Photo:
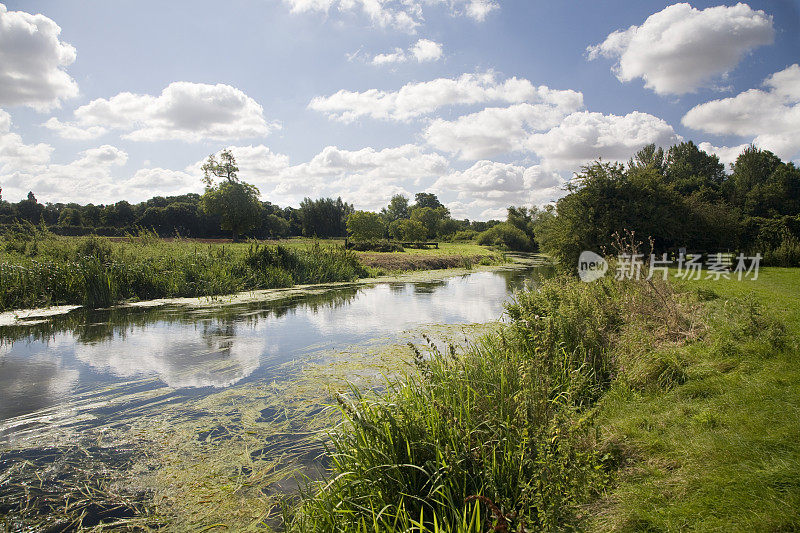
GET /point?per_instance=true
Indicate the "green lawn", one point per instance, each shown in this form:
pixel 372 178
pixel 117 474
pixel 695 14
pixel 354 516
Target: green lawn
pixel 721 452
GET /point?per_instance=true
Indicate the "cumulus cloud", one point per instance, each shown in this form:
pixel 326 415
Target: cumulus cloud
pixel 426 50
pixel 726 154
pixel 14 153
pixel 680 48
pixel 770 115
pixel 417 99
pixel 422 51
pixel 404 15
pixel 490 187
pixel 183 111
pixel 497 130
pixel 32 61
pixel 584 136
pixel 72 131
pixel 87 178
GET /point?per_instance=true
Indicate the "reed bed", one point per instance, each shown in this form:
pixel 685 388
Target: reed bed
pixel 39 269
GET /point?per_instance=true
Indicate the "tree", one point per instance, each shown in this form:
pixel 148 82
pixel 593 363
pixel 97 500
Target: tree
pixel 365 226
pixel 325 217
pixel 408 230
pixel 235 202
pixel 397 208
pixel 429 218
pixel 69 217
pixel 523 219
pixel 427 199
pixel 29 209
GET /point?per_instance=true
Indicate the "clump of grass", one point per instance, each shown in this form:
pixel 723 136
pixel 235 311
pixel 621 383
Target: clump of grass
pixel 497 437
pixel 38 268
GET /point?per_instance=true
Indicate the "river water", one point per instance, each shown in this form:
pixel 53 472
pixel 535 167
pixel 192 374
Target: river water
pixel 150 389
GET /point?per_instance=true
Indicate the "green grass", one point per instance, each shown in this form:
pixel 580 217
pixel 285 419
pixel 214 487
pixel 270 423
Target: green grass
pixel 38 268
pixel 609 406
pixel 721 452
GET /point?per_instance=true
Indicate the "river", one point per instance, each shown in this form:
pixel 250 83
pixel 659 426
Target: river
pixel 164 408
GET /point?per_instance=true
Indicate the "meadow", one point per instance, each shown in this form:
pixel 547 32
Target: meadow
pixel 39 269
pixel 612 406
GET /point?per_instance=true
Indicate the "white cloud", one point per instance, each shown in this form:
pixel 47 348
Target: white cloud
pixel 165 181
pixel 680 48
pixel 366 177
pixel 416 99
pixel 398 56
pixel 72 131
pixel 584 136
pixel 183 111
pixel 726 154
pixel 771 115
pixel 32 61
pixel 490 187
pixel 479 9
pixel 404 15
pixel 87 178
pixel 427 50
pixel 496 130
pixel 424 50
pixel 14 153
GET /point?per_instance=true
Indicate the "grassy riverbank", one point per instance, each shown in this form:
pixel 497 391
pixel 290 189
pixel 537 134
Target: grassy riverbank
pixel 607 406
pixel 40 269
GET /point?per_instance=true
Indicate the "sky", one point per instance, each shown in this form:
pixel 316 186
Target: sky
pixel 487 103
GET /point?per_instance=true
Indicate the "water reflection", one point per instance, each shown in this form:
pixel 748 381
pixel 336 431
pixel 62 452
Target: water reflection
pixel 46 365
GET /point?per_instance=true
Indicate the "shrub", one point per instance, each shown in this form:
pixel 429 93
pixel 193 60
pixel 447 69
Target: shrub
pixel 787 254
pixel 465 235
pixel 377 246
pixel 507 237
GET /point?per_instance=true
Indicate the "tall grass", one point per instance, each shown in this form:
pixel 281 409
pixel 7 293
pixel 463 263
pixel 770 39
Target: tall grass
pixel 37 268
pixel 500 437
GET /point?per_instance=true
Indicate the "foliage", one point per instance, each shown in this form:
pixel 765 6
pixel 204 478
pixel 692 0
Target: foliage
pixel 38 269
pixel 234 202
pixel 325 217
pixel 408 230
pixel 507 424
pixel 507 237
pixel 397 209
pixel 681 198
pixel 429 217
pixel 365 226
pixel 376 246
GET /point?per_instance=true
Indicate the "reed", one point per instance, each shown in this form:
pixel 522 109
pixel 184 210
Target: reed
pixel 39 269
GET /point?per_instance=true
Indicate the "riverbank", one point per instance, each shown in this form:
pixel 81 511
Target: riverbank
pixel 39 269
pixel 607 406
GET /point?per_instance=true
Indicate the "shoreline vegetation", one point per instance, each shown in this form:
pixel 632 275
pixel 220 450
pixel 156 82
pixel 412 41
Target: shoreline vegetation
pixel 39 269
pixel 611 406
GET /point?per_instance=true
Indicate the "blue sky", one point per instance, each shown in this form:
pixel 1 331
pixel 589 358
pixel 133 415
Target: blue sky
pixel 501 101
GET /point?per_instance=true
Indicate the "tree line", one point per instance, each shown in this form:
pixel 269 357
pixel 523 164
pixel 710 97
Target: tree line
pixel 230 207
pixel 680 198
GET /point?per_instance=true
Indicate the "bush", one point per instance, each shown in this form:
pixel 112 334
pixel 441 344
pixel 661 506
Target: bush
pixel 465 235
pixel 787 254
pixel 507 237
pixel 376 246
